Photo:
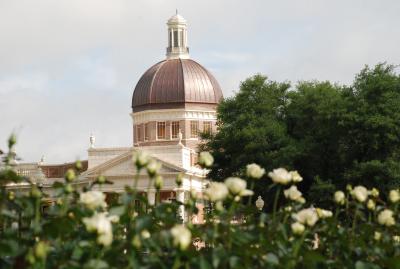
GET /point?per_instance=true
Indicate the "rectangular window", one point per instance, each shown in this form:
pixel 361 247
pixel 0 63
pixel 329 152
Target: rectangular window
pixel 174 129
pixel 146 132
pixel 176 39
pixel 161 130
pixel 194 129
pixel 207 127
pixel 139 130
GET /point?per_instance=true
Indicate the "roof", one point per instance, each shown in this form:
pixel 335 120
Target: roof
pixel 175 82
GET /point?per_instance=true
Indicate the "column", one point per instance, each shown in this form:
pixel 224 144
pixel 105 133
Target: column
pixel 151 197
pixel 180 197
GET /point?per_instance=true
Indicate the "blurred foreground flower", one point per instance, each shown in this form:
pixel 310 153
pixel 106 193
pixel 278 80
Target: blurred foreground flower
pixel 360 193
pixel 385 217
pixel 237 186
pixel 254 171
pixel 280 176
pixel 306 216
pixel 217 191
pixel 93 199
pixel 394 196
pixel 293 193
pixel 297 228
pixel 101 224
pixel 206 159
pixel 182 237
pixel 339 197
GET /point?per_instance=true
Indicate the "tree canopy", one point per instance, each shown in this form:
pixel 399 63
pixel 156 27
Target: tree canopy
pixel 333 135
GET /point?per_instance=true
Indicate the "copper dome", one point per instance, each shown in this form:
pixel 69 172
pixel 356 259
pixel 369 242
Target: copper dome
pixel 173 83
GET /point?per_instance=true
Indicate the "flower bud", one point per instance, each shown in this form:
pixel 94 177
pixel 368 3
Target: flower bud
pixel 206 159
pixel 78 165
pixel 377 236
pixel 140 159
pixel 41 249
pixel 153 168
pixel 11 195
pixel 179 179
pixel 158 182
pixel 339 197
pixel 374 193
pixel 68 188
pixel 349 187
pixel 12 140
pixel 101 179
pixel 371 205
pixel 35 192
pixel 394 196
pixel 70 175
pixel 298 228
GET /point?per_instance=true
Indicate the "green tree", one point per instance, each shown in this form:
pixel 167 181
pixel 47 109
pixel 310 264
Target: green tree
pixel 335 135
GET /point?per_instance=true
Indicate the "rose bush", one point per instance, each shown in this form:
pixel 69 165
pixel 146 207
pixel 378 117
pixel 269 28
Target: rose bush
pixel 80 230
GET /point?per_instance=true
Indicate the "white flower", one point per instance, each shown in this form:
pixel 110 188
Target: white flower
pixel 297 228
pixel 101 224
pixel 323 214
pixel 145 234
pixel 292 193
pixel 140 159
pixel 306 216
pixel 182 237
pixel 371 204
pixel 296 176
pixel 360 193
pixel 385 217
pixel 93 199
pixel 339 197
pixel 153 167
pixel 377 236
pixel 158 182
pixel 396 238
pixel 206 159
pixel 237 186
pixel 280 176
pixel 254 171
pixel 394 196
pixel 217 191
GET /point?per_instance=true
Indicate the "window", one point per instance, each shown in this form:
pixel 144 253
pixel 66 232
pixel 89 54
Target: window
pixel 194 129
pixel 207 127
pixel 139 134
pixel 146 132
pixel 161 130
pixel 174 129
pixel 176 39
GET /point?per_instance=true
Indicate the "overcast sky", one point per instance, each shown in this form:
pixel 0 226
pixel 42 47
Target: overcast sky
pixel 68 67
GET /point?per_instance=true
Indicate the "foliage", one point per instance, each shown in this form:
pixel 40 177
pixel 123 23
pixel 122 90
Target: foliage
pixel 80 231
pixel 334 135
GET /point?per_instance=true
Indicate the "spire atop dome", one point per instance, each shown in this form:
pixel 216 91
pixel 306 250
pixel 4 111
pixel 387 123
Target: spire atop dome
pixel 177 38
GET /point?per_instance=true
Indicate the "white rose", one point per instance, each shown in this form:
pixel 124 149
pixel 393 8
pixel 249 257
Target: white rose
pixel 237 186
pixel 323 214
pixel 140 159
pixel 385 217
pixel 360 193
pixel 145 234
pixel 182 237
pixel 306 216
pixel 296 176
pixel 280 176
pixel 206 159
pixel 93 199
pixel 100 224
pixel 297 228
pixel 254 171
pixel 339 197
pixel 292 193
pixel 153 167
pixel 217 191
pixel 394 196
